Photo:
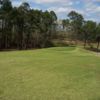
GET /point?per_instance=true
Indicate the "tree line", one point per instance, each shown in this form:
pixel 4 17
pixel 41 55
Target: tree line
pixel 22 27
pixel 80 29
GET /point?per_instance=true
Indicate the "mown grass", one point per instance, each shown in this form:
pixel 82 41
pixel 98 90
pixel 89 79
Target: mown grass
pixel 61 73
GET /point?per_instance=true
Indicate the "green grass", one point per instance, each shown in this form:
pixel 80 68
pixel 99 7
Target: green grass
pixel 62 73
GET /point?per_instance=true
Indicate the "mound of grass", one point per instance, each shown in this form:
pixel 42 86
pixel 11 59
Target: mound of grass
pixel 62 73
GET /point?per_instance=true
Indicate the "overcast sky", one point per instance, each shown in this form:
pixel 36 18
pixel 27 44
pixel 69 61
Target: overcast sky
pixel 90 9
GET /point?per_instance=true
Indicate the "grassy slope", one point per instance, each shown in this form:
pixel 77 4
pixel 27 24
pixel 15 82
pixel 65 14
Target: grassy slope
pixel 50 74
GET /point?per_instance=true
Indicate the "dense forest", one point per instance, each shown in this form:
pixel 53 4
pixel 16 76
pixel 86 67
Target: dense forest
pixel 22 27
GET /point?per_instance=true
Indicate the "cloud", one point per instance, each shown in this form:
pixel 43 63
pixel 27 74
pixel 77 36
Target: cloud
pixel 48 1
pixel 59 10
pixel 65 10
pixel 92 8
pixel 16 3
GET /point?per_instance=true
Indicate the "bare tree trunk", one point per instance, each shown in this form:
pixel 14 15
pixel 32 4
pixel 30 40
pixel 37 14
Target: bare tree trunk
pixel 85 42
pixel 98 46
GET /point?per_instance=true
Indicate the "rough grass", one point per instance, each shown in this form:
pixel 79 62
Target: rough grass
pixel 63 73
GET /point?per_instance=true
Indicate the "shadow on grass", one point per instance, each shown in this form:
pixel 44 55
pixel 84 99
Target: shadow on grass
pixel 8 50
pixel 93 49
pixel 72 46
